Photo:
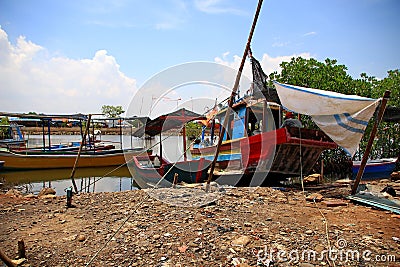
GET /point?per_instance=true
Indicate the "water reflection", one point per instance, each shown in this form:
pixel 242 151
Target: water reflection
pixel 87 180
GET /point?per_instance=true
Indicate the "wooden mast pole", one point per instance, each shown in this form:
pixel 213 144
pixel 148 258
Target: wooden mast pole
pixel 370 142
pixel 79 153
pixel 233 94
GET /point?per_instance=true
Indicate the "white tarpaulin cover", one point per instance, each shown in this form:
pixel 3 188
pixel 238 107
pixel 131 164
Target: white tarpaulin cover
pixel 342 117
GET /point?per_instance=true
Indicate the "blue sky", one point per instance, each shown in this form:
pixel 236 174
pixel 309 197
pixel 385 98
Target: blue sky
pixel 71 51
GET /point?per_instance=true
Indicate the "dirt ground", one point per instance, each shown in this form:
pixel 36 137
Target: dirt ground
pixel 240 227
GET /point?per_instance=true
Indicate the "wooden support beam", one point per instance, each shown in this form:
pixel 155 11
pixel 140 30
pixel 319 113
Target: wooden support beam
pixel 233 94
pixel 79 153
pixel 370 142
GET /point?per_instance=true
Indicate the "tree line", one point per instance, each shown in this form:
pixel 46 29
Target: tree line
pixel 329 75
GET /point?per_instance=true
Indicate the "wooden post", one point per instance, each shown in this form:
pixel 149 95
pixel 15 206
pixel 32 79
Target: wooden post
pixel 233 94
pixel 6 259
pixel 370 142
pixel 184 143
pixel 175 180
pixel 21 249
pixel 161 152
pixel 79 154
pixel 120 132
pixel 48 133
pixel 43 135
pixel 322 171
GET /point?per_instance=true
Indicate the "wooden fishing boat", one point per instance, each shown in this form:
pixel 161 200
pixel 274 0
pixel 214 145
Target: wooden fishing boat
pixel 255 141
pixel 57 160
pixel 154 170
pixel 149 170
pixel 375 169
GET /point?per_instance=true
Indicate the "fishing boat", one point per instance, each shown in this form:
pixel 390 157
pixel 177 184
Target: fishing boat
pixel 57 160
pixel 255 141
pixel 155 170
pixel 375 169
pixel 14 137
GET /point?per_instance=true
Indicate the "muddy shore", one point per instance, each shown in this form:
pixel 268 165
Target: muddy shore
pixel 241 227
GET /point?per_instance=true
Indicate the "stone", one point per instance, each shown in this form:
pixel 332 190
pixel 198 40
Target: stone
pixel 13 193
pixel 241 241
pixel 81 238
pixel 335 203
pixel 395 176
pixel 247 224
pixel 309 232
pixel 312 179
pixel 47 191
pixel 317 196
pixel 183 248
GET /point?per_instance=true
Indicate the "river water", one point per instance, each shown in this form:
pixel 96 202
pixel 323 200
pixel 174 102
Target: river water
pixel 110 179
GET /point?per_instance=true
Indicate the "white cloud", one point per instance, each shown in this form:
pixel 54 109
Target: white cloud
pixel 268 63
pixel 33 81
pixel 217 7
pixel 309 33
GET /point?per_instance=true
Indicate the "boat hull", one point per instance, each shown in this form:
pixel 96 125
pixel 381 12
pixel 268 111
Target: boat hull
pixel 375 169
pixel 16 161
pixel 275 152
pixel 146 175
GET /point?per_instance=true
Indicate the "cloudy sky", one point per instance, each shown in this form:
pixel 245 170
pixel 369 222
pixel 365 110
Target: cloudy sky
pixel 75 56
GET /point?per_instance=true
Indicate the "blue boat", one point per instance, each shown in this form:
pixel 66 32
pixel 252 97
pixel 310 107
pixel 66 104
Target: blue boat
pixel 375 169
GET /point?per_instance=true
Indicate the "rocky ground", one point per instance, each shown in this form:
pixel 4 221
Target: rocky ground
pixel 236 227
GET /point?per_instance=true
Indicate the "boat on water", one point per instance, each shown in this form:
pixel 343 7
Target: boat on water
pixel 14 138
pixel 375 169
pixel 1 164
pixel 57 160
pixel 155 170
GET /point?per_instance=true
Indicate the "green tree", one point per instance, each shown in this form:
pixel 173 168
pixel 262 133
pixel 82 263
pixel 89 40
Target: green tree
pixel 329 75
pixel 112 111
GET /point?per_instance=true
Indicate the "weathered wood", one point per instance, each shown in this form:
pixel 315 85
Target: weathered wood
pixel 370 142
pixel 174 183
pixel 233 94
pixel 21 249
pixel 6 259
pixel 79 153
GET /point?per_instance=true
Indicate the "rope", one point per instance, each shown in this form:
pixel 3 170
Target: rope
pixel 327 234
pixel 136 207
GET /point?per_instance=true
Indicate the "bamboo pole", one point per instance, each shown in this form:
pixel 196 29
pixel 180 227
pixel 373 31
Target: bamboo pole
pixel 233 94
pixel 370 142
pixel 79 153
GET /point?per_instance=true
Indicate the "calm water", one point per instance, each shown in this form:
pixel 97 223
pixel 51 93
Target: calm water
pixel 89 179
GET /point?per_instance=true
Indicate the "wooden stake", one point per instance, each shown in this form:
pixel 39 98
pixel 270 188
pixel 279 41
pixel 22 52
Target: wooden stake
pixel 370 142
pixel 175 180
pixel 79 153
pixel 21 249
pixel 233 94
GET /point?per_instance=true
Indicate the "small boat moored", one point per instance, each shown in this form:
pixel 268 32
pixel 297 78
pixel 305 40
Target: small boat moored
pixel 375 169
pixel 155 171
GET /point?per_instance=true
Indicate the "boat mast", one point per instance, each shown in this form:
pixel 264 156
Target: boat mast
pixel 233 94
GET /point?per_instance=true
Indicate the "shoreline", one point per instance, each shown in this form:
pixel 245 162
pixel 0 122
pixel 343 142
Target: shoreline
pixel 233 230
